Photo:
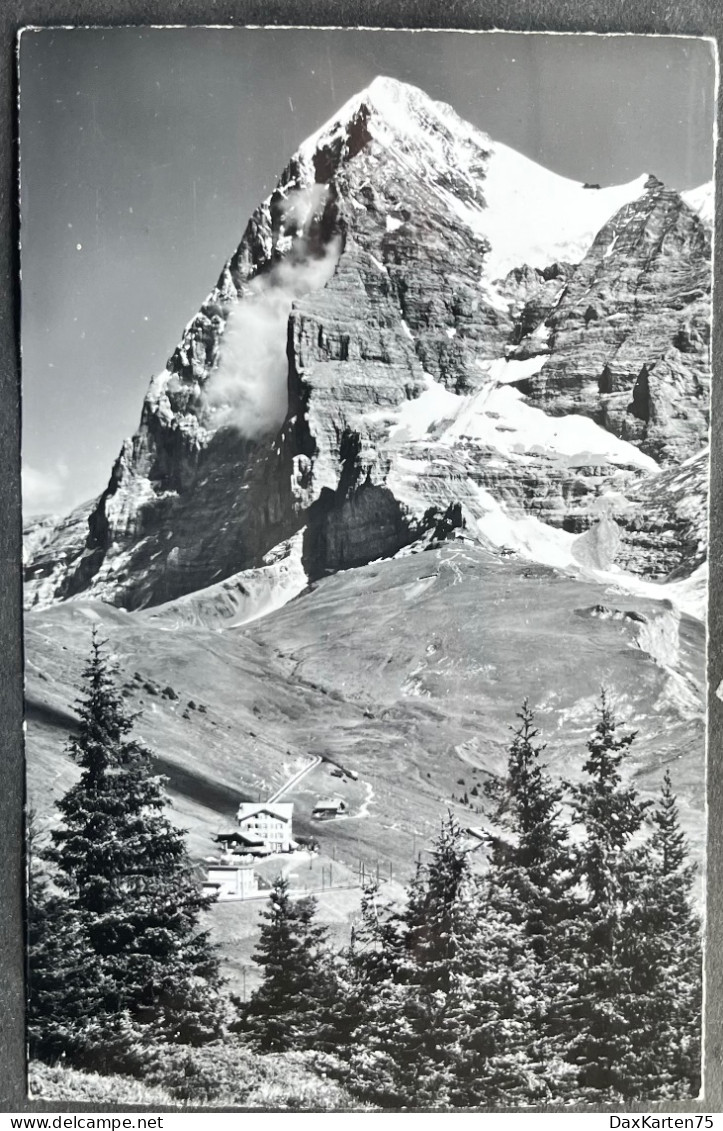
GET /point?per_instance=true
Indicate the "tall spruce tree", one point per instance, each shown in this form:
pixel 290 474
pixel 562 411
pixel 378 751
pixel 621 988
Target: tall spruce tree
pixel 294 1006
pixel 382 1042
pixel 610 812
pixel 127 894
pixel 530 882
pixel 504 1058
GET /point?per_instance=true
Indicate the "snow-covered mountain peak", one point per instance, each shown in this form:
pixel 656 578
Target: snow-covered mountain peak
pixel 361 367
pixel 525 212
pixel 392 108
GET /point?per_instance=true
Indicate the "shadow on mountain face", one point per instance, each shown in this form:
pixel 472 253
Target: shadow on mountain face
pixel 214 795
pixel 37 711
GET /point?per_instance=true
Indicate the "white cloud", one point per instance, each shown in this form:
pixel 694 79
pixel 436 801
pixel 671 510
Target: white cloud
pixel 42 489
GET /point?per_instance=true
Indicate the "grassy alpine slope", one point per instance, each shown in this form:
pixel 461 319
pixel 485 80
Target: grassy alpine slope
pixel 407 671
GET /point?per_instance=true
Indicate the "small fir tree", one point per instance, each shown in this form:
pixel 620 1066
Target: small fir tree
pixel 669 843
pixel 530 861
pixel 440 906
pixel 405 1048
pixel 610 812
pixel 294 1005
pixel 662 948
pixel 371 960
pixel 447 1021
pixel 592 980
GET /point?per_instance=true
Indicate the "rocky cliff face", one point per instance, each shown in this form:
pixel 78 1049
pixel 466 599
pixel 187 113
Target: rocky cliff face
pixel 420 329
pixel 628 336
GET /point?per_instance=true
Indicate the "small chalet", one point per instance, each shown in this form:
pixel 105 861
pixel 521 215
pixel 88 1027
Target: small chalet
pixel 329 807
pixel 231 881
pixel 243 844
pixel 269 821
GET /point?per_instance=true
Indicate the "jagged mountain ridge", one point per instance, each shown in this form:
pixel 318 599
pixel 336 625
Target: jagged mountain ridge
pixel 631 349
pixel 420 356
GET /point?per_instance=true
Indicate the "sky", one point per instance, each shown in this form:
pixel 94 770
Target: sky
pixel 145 151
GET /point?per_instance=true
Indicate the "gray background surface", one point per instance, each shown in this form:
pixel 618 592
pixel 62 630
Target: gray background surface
pixel 695 17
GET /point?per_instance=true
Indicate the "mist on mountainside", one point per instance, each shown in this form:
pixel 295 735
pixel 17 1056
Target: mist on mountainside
pixel 247 390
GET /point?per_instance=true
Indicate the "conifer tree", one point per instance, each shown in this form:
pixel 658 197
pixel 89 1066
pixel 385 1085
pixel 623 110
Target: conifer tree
pixel 504 1057
pixel 440 909
pixel 447 1022
pixel 662 948
pixel 372 959
pixel 531 864
pixel 406 1048
pixel 382 1043
pixel 65 987
pixel 293 1006
pixel 593 979
pixel 610 812
pixel 377 940
pixel 127 894
pixel 668 841
pixel 598 997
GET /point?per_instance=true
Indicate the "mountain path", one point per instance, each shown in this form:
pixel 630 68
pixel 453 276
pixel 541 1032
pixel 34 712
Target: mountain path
pixel 295 779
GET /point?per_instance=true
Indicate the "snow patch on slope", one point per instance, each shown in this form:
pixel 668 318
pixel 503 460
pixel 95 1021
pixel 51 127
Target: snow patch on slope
pixel 690 595
pixel 432 432
pixel 505 372
pixel 701 200
pixel 498 417
pixel 537 217
pixel 515 428
pixel 527 536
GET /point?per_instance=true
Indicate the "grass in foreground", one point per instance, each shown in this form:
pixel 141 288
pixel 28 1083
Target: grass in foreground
pixel 58 1082
pixel 219 1075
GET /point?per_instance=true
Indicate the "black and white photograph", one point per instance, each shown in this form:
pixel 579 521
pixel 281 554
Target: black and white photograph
pixel 365 422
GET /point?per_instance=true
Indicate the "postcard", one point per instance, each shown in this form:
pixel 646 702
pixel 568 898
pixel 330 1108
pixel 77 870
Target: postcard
pixel 366 405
